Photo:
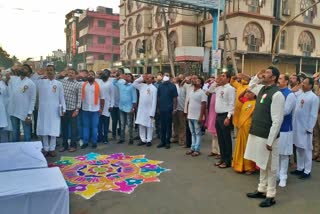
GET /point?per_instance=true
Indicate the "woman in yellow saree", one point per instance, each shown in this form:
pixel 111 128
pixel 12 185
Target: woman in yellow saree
pixel 239 164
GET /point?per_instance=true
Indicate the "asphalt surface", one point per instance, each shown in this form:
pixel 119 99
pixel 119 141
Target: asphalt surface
pixel 194 185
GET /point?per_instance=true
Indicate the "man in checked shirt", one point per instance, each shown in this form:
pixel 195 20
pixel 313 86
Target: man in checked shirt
pixel 72 94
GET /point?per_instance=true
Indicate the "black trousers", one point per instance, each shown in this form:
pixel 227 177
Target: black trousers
pixel 157 124
pixel 224 138
pixel 115 116
pixel 166 126
pixel 69 123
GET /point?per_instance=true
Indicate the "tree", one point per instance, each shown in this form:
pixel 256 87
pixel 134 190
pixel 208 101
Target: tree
pixel 5 60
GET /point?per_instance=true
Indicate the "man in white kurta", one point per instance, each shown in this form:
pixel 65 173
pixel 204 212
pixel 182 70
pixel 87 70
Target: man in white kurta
pixel 266 122
pixel 22 98
pixel 107 89
pixel 146 108
pixel 285 140
pixel 304 120
pixel 51 107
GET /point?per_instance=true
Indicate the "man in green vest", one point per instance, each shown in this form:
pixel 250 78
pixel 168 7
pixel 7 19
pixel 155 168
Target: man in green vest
pixel 262 146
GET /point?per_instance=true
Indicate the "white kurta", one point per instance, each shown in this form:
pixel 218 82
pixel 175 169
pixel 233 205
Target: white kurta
pixel 286 141
pixel 22 97
pixel 107 89
pixel 147 102
pixel 51 97
pixel 3 111
pixel 304 119
pixel 256 149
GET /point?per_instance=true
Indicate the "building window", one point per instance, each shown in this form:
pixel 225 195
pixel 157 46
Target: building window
pixel 115 57
pixel 310 14
pixel 159 16
pixel 101 57
pixel 130 27
pixel 283 39
pixel 101 23
pixel 115 41
pixel 253 36
pixel 129 5
pixel 115 25
pixel 255 5
pixel 139 23
pixel 306 43
pixel 285 8
pixel 101 40
pixel 138 48
pixel 129 50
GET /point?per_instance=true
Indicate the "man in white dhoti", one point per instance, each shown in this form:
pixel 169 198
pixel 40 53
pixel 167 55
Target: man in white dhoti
pixel 304 120
pixel 146 108
pixel 22 98
pixel 285 141
pixel 262 146
pixel 51 107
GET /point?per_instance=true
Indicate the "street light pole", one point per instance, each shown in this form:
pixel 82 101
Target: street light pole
pixel 273 51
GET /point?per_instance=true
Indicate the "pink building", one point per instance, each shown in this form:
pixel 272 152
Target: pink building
pixel 99 35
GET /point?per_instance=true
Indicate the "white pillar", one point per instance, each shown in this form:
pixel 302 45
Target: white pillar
pixel 300 68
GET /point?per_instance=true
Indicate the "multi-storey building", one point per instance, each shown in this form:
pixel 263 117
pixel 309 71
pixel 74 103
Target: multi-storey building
pixel 99 36
pixel 72 33
pixel 253 25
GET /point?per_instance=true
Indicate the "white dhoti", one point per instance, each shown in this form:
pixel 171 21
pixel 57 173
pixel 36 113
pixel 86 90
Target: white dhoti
pixel 49 143
pixel 285 150
pixel 267 161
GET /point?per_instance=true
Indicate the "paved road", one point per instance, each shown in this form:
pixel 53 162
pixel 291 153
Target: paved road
pixel 193 186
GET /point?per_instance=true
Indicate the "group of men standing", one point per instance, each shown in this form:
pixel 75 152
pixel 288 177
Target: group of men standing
pixel 281 121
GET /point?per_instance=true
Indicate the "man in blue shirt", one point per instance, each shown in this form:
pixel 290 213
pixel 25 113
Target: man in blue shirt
pixel 127 104
pixel 167 98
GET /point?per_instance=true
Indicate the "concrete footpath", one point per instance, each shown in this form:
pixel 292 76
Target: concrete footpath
pixel 193 186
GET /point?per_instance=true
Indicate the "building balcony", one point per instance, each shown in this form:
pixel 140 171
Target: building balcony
pixel 100 32
pixel 97 48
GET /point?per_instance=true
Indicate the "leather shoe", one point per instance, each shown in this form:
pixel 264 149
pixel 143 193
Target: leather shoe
pixel 130 142
pixel 141 143
pixel 161 146
pixel 268 202
pixel 168 146
pixel 304 176
pixel 84 146
pixel 149 144
pixel 256 194
pixel 120 142
pixel 296 172
pixel 94 146
pixel 52 153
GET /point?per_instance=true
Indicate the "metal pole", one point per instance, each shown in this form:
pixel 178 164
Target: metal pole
pixel 317 62
pixel 215 29
pixel 300 66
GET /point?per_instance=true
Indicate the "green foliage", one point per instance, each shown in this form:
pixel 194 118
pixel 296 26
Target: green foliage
pixel 5 59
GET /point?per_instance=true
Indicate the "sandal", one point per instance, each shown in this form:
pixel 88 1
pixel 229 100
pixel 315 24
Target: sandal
pixel 189 152
pixel 195 154
pixel 223 166
pixel 217 157
pixel 212 154
pixel 218 163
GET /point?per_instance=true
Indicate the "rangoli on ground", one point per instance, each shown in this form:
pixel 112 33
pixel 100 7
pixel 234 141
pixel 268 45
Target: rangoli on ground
pixel 92 173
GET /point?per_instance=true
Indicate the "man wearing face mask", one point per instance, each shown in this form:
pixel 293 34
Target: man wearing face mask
pixel 22 99
pixel 92 107
pixel 51 107
pixel 108 93
pixel 167 100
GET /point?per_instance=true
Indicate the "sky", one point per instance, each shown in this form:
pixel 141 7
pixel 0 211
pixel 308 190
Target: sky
pixel 34 28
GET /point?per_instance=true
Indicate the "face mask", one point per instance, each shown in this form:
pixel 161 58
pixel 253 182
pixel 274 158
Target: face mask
pixel 165 78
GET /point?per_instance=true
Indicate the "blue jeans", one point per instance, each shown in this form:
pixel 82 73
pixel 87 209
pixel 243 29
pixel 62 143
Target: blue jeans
pixel 103 128
pixel 195 129
pixel 126 119
pixel 90 126
pixel 16 129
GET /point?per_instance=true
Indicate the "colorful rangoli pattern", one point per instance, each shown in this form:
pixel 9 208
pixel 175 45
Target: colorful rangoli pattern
pixel 90 174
